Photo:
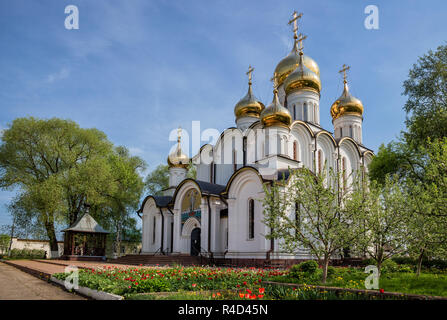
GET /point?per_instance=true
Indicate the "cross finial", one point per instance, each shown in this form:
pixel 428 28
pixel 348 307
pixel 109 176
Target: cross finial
pixel 343 70
pixel 294 20
pixel 300 41
pixel 179 134
pixel 249 74
pixel 275 84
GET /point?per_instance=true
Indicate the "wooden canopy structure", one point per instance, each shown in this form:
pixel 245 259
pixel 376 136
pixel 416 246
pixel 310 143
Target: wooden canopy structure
pixel 85 239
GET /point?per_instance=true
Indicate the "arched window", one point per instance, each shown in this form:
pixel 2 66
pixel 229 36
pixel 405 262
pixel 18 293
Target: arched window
pixel 305 112
pixel 320 160
pixel 234 160
pixel 350 132
pixel 251 219
pixel 295 150
pixel 154 221
pixel 297 215
pixel 341 132
pixel 343 167
pixel 294 112
pixel 211 171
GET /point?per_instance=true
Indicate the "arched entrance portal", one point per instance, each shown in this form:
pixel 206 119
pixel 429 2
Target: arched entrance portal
pixel 195 242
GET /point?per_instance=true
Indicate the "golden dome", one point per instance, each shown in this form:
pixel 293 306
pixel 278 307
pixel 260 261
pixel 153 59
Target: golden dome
pixel 177 158
pixel 302 78
pixel 346 105
pixel 248 106
pixel 275 114
pixel 290 62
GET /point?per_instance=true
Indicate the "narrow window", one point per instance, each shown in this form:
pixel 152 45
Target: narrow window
pixel 350 132
pixel 295 151
pixel 251 219
pixel 305 112
pixel 343 164
pixel 297 215
pixel 320 159
pixel 234 160
pixel 294 112
pixel 153 229
pixel 211 171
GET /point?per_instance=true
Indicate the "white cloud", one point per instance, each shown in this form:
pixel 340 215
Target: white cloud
pixel 60 75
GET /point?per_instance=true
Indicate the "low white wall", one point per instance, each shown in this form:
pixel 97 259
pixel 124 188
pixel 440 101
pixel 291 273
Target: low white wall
pixel 36 245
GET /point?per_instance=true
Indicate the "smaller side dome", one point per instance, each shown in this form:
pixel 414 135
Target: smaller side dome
pixel 275 114
pixel 177 158
pixel 249 105
pixel 347 104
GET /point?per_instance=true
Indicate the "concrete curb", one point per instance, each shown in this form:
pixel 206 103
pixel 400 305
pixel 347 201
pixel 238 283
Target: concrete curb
pixel 90 293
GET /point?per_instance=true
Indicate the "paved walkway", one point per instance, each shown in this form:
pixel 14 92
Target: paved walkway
pixel 18 285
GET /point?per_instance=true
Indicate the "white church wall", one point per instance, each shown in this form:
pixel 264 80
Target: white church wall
pixel 244 187
pixel 150 243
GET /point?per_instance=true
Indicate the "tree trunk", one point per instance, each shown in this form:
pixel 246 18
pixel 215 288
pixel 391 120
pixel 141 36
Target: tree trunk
pixel 52 236
pixel 379 266
pixel 419 267
pixel 325 266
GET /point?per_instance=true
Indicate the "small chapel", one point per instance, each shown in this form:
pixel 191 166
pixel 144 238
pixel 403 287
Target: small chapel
pixel 220 212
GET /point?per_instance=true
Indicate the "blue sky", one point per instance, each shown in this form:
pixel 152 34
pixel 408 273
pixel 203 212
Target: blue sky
pixel 137 69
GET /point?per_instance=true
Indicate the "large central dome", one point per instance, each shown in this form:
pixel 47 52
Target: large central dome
pixel 290 62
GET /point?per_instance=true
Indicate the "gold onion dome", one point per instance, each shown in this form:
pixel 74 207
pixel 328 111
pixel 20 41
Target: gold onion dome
pixel 290 63
pixel 347 104
pixel 275 114
pixel 177 158
pixel 302 78
pixel 249 105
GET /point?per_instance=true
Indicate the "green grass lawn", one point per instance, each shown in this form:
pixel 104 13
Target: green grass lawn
pixel 426 284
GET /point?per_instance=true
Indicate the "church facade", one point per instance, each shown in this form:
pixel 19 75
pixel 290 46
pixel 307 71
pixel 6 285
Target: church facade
pixel 220 213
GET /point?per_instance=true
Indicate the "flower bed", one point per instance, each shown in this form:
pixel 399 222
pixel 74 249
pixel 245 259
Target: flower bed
pixel 145 280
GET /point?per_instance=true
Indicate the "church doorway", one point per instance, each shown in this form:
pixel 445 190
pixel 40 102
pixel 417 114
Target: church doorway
pixel 195 242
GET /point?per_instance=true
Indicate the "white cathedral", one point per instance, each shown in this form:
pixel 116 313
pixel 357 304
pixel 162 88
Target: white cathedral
pixel 220 213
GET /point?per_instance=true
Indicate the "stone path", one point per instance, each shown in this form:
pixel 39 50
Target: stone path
pixel 18 285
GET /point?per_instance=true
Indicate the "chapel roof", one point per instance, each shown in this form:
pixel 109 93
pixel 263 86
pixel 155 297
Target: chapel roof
pixel 86 223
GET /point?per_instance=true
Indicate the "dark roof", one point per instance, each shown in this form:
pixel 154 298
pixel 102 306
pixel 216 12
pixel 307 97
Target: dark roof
pixel 162 201
pixel 210 188
pixel 86 223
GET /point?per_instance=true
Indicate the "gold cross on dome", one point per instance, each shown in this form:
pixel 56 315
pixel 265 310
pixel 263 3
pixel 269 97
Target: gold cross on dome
pixel 179 133
pixel 249 73
pixel 273 79
pixel 300 41
pixel 294 20
pixel 344 69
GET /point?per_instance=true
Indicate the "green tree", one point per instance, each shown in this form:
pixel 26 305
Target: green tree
pixel 121 205
pixel 426 106
pixel 311 212
pixel 4 243
pixel 158 180
pixel 386 220
pixel 58 166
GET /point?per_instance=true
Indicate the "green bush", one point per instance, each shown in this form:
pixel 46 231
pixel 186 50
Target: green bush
pixel 330 271
pixel 309 267
pixel 389 266
pixel 27 254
